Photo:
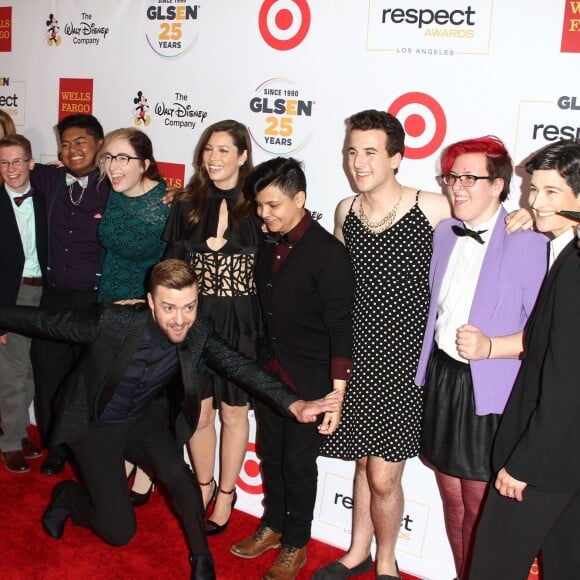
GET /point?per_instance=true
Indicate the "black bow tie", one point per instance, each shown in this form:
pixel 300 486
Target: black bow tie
pixel 20 199
pixel 463 231
pixel 275 238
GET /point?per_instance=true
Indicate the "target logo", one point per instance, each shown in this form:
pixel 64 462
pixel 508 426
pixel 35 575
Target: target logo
pixel 284 23
pixel 250 479
pixel 424 122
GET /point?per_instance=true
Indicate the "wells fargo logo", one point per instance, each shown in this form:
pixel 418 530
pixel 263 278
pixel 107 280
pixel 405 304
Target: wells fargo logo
pixel 571 27
pixel 6 29
pixel 75 96
pixel 173 173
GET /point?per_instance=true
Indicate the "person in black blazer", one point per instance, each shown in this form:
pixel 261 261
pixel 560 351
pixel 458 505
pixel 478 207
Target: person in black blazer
pixel 22 265
pixel 535 505
pixel 106 410
pixel 305 286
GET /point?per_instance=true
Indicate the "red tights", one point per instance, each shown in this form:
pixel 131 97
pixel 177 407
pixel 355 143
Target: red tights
pixel 462 502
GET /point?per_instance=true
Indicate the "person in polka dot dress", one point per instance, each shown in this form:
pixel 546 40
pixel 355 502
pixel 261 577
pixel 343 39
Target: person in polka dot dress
pixel 388 230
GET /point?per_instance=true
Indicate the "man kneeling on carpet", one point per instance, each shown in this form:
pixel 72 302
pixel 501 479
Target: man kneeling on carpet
pixel 105 412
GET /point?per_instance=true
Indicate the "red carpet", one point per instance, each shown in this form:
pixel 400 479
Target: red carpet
pixel 157 551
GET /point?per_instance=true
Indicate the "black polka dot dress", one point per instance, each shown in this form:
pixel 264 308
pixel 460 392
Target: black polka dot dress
pixel 382 410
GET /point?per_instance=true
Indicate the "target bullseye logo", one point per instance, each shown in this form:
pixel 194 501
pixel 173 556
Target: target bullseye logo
pixel 250 479
pixel 284 23
pixel 424 122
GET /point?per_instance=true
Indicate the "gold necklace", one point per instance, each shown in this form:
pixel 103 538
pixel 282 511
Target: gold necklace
pixel 384 223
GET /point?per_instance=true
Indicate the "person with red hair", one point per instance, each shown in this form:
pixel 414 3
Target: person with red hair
pixel 484 284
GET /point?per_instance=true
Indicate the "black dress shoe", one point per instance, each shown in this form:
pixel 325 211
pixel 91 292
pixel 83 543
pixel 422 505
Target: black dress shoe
pixel 52 465
pixel 338 571
pixel 58 510
pixel 211 528
pixel 202 567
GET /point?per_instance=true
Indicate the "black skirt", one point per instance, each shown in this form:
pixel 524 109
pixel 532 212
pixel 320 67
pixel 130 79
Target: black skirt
pixel 454 439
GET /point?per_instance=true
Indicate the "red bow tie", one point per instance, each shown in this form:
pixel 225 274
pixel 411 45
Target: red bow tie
pixel 20 199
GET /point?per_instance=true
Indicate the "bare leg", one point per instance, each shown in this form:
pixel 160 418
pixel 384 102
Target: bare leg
pixel 202 448
pixel 234 442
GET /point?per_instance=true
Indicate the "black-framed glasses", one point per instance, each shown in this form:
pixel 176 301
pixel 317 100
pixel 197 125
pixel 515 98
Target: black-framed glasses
pixel 122 159
pixel 15 163
pixel 465 180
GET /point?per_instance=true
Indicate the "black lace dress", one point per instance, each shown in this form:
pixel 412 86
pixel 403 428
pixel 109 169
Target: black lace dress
pixel 226 281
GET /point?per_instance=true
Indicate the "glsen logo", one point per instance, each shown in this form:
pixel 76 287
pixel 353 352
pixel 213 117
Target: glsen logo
pixel 6 29
pixel 75 96
pixel 171 29
pixel 173 173
pixel 424 121
pixel 283 114
pixel 180 113
pixel 284 23
pixel 86 31
pixel 571 27
pixel 250 480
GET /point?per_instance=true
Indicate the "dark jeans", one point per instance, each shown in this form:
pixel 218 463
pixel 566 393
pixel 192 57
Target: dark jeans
pixel 104 504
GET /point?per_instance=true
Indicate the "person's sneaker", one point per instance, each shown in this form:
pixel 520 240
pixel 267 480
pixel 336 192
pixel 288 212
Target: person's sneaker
pixel 287 564
pixel 264 539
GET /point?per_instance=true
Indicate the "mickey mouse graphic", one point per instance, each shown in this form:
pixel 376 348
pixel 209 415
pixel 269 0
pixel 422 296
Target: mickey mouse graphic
pixel 141 109
pixel 52 30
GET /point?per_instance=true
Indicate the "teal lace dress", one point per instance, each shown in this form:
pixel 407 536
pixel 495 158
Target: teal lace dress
pixel 130 231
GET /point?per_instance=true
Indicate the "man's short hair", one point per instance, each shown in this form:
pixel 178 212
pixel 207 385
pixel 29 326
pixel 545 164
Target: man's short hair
pixel 82 121
pixel 373 119
pixel 564 157
pixel 498 161
pixel 17 140
pixel 285 173
pixel 172 274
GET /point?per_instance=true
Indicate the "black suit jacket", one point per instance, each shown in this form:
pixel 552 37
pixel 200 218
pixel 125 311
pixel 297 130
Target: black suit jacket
pixel 307 306
pixel 111 333
pixel 11 251
pixel 538 440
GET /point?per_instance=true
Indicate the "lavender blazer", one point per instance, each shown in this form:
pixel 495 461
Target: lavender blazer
pixel 510 278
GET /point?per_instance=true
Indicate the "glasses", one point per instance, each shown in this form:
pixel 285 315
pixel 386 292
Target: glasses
pixel 465 180
pixel 15 163
pixel 121 158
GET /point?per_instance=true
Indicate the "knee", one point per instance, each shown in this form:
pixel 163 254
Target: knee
pixel 234 417
pixel 120 535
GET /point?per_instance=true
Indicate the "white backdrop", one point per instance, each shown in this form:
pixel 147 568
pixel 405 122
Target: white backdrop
pixel 293 70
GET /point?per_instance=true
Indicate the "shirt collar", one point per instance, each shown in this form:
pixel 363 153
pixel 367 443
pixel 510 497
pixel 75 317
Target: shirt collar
pixel 298 231
pixel 485 227
pixel 559 243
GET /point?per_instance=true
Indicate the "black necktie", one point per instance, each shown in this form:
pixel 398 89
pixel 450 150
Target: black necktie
pixel 20 199
pixel 463 231
pixel 275 238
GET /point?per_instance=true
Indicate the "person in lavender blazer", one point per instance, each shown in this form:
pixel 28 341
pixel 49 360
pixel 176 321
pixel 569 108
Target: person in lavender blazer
pixel 484 283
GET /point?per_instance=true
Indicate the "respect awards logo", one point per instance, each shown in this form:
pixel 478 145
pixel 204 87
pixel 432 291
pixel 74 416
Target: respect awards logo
pixel 541 122
pixel 424 121
pixel 171 30
pixel 12 99
pixel 75 96
pixel 6 29
pixel 428 27
pixel 571 27
pixel 281 117
pixel 284 24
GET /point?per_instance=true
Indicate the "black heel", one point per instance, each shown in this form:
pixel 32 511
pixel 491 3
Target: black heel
pixel 139 499
pixel 211 528
pixel 214 493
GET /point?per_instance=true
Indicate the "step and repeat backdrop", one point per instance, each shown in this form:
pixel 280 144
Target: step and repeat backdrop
pixel 293 71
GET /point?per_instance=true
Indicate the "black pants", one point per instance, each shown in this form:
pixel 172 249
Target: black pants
pixel 52 361
pixel 511 533
pixel 104 504
pixel 288 451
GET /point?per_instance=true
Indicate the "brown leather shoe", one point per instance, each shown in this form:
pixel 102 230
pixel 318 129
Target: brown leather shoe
pixel 30 450
pixel 287 564
pixel 15 461
pixel 264 539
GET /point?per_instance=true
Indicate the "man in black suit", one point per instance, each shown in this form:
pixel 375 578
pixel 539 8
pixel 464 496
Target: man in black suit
pixel 22 265
pixel 105 410
pixel 536 502
pixel 305 285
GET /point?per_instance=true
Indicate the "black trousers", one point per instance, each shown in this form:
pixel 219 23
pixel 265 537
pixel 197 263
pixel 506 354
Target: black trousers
pixel 510 534
pixel 288 451
pixel 104 504
pixel 52 361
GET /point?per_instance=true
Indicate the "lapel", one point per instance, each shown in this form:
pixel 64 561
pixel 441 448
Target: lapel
pixel 447 241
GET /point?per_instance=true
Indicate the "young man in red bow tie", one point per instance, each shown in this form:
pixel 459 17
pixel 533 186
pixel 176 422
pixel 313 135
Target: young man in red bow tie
pixel 22 262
